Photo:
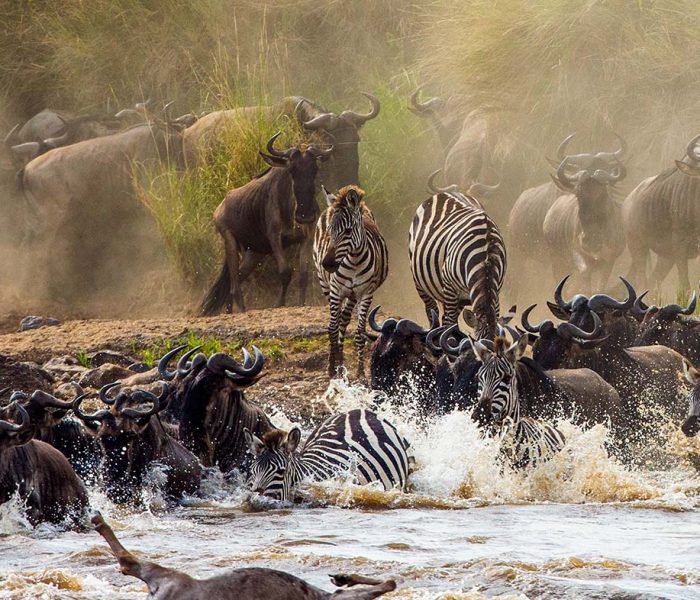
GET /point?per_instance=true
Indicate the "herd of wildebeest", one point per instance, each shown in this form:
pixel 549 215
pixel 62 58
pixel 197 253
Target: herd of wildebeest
pixel 618 361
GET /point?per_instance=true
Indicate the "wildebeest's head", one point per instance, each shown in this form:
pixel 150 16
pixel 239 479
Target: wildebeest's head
pixel 345 231
pixel 125 438
pixel 668 324
pixel 497 379
pixel 303 168
pixel 691 426
pixel 270 473
pixel 557 345
pixel 343 132
pixel 44 410
pixel 401 348
pixel 588 176
pixel 690 165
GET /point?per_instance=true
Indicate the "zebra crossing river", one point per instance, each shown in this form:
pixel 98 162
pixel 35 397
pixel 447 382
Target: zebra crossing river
pixel 583 525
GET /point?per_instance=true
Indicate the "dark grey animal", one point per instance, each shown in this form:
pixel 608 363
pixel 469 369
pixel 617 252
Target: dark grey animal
pixel 209 406
pixel 581 229
pixel 40 474
pixel 238 584
pixel 132 438
pixel 264 217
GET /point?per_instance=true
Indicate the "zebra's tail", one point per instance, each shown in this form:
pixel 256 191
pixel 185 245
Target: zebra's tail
pixel 218 294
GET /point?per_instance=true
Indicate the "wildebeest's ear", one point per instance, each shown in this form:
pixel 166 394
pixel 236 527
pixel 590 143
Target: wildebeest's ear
pixel 273 161
pixel 687 169
pixel 255 444
pixel 567 188
pixel 692 375
pixel 293 439
pixel 558 311
pixel 517 349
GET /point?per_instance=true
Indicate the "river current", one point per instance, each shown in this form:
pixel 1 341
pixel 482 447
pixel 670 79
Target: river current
pixel 583 525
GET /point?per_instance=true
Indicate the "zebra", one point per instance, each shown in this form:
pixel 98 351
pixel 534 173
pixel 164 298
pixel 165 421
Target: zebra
pixel 691 425
pixel 525 441
pixel 357 441
pixel 458 258
pixel 351 260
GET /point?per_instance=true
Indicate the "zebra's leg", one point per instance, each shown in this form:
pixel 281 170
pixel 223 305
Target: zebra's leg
pixel 345 316
pixel 451 305
pixel 429 303
pixel 361 335
pixel 232 263
pixel 333 334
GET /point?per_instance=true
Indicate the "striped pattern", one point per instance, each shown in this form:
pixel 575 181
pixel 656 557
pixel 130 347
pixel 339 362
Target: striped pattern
pixel 347 236
pixel 356 442
pixel 525 441
pixel 458 259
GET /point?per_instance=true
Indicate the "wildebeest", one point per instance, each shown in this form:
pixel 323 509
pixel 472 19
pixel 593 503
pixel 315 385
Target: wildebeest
pixel 351 261
pixel 582 228
pixel 40 474
pixel 210 406
pixel 691 425
pixel 239 584
pixel 50 423
pixel 671 325
pixel 328 128
pixel 132 440
pixel 661 215
pixel 76 193
pixel 263 217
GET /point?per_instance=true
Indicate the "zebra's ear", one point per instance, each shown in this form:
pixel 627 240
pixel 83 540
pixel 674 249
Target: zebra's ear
pixel 255 444
pixel 517 349
pixel 692 375
pixel 352 198
pixel 330 198
pixel 481 352
pixel 470 318
pixel 293 439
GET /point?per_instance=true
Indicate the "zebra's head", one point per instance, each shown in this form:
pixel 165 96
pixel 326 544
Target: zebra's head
pixel 691 426
pixel 272 472
pixel 497 381
pixel 345 231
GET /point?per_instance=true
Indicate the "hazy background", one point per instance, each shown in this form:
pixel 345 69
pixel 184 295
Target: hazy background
pixel 542 69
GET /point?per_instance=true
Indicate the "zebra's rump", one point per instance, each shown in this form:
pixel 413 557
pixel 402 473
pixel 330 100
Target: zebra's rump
pixel 530 442
pixel 450 242
pixel 360 442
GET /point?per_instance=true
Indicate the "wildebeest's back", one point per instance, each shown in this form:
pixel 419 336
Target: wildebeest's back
pixel 258 584
pixel 526 220
pixel 590 397
pixel 561 224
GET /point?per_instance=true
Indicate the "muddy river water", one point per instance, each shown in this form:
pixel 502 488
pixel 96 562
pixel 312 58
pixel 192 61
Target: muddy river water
pixel 584 525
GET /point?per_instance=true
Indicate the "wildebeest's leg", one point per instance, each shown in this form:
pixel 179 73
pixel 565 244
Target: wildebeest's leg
pixel 304 254
pixel 661 269
pixel 232 262
pixel 283 269
pixel 638 268
pixel 682 268
pixel 379 588
pixel 251 261
pixel 361 335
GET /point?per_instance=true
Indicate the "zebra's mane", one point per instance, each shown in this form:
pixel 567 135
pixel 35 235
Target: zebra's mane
pixel 500 344
pixel 274 439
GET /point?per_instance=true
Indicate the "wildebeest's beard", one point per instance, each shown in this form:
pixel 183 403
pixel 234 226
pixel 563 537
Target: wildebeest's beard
pixel 122 470
pixel 304 185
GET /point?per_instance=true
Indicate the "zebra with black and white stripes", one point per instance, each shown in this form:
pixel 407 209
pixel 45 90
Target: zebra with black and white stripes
pixel 525 441
pixel 458 259
pixel 351 260
pixel 356 442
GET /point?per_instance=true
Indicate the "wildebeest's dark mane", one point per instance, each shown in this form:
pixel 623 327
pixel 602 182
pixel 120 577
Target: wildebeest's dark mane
pixel 527 367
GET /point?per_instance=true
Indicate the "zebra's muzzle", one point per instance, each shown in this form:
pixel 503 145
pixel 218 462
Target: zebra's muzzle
pixel 329 263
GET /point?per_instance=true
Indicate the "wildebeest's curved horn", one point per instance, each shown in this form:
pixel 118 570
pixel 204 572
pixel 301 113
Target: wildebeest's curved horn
pixel 561 150
pixel 319 152
pixel 147 397
pixel 163 363
pixel 691 149
pixel 525 321
pixel 273 151
pixel 408 327
pixel 603 301
pixel 28 150
pixel 445 344
pixel 182 367
pixel 558 298
pixel 620 153
pixel 639 308
pixel 12 137
pixel 435 189
pixel 17 395
pixel 327 121
pixel 434 319
pixel 103 393
pixel 568 330
pixel 481 189
pixel 360 119
pixel 57 141
pixel 386 327
pixel 166 109
pixel 223 364
pixel 673 310
pixel 430 339
pixel 45 400
pixel 14 427
pixel 424 108
pixel 563 177
pixel 145 105
pixel 98 416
